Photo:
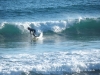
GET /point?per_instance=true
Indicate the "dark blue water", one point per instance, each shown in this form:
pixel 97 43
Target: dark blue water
pixel 70 43
pixel 48 10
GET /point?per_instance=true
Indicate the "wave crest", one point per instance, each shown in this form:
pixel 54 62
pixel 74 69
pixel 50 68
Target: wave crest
pixel 71 26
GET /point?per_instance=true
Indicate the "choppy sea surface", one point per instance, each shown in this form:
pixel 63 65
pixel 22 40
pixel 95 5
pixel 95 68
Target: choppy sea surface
pixel 70 44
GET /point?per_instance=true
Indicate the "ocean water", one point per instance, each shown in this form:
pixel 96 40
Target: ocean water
pixel 70 44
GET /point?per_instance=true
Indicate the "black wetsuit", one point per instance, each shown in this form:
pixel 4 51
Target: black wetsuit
pixel 32 30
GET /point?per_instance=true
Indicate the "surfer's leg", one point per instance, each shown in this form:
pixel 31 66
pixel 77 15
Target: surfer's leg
pixel 34 34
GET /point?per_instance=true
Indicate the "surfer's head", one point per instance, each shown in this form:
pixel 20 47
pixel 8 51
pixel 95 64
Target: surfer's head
pixel 28 28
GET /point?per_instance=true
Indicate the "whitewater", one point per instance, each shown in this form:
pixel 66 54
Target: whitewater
pixel 70 41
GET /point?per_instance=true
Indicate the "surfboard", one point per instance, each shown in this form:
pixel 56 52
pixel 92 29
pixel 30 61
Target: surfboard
pixel 39 37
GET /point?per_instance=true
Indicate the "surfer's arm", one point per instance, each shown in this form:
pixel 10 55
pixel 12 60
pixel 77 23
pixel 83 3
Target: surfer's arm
pixel 30 31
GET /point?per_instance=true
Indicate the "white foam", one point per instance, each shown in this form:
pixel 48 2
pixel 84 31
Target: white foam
pixel 53 62
pixel 2 24
pixel 39 26
pixel 55 26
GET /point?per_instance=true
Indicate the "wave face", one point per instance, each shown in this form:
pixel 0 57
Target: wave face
pixel 87 26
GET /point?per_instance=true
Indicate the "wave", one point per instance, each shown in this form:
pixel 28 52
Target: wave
pixel 52 63
pixel 85 26
pixel 81 26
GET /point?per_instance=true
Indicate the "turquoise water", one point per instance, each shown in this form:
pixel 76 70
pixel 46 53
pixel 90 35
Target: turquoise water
pixel 70 44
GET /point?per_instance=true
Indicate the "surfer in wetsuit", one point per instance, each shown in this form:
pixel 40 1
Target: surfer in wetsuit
pixel 32 30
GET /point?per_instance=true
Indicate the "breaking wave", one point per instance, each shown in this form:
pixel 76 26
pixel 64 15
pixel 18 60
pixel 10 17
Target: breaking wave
pixel 86 26
pixel 59 63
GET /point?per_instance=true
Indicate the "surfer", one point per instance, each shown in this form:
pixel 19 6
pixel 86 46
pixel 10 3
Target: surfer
pixel 32 31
